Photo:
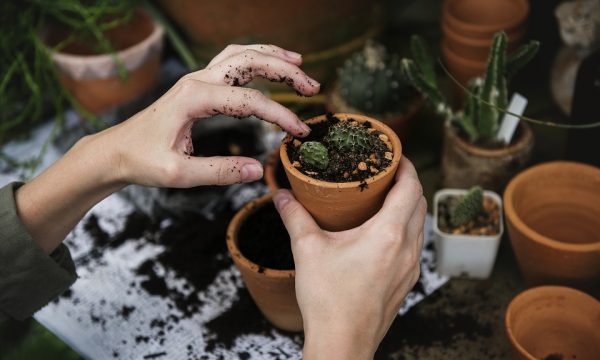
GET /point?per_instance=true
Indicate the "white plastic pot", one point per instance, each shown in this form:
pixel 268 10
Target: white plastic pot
pixel 472 256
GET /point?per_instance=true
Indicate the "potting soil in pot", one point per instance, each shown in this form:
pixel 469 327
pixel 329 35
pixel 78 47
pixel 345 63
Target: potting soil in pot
pixel 264 240
pixel 344 166
pixel 487 222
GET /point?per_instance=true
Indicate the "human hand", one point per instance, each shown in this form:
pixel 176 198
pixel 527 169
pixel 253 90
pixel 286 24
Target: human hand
pixel 350 284
pixel 153 147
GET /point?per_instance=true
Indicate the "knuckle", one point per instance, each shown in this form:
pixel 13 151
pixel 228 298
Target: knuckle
pixel 233 47
pixel 223 173
pixel 172 174
pixel 417 187
pixel 187 84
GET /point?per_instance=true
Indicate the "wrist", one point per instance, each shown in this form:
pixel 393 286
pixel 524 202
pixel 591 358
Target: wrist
pixel 334 340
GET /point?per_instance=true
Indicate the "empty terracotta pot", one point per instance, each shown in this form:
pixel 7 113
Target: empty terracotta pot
pixel 478 19
pixel 553 217
pixel 465 164
pixel 342 206
pixel 461 68
pixel 273 290
pixel 554 322
pixel 401 123
pixel 94 80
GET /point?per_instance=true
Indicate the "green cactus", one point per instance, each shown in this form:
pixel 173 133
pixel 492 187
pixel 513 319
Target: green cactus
pixel 370 81
pixel 314 154
pixel 350 137
pixel 478 120
pixel 468 207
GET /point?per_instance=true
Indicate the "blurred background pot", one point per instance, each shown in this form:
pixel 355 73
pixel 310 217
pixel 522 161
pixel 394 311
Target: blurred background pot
pixel 274 173
pixel 554 322
pixel 553 218
pixel 95 80
pixel 465 164
pixel 273 290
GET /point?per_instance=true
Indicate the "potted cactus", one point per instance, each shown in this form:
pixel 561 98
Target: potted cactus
pixel 370 83
pixel 468 226
pixel 342 170
pixel 472 155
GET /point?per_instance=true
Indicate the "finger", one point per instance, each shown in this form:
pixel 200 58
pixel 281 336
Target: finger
pixel 234 49
pixel 403 198
pixel 197 100
pixel 240 69
pixel 416 223
pixel 216 170
pixel 296 219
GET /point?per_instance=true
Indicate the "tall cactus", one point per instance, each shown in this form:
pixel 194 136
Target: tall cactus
pixel 468 207
pixel 479 120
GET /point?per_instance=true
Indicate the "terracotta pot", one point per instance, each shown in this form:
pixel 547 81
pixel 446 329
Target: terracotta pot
pixel 273 290
pixel 553 218
pixel 402 124
pixel 462 69
pixel 93 79
pixel 211 25
pixel 478 19
pixel 341 206
pixel 476 49
pixel 554 320
pixel 274 174
pixel 465 165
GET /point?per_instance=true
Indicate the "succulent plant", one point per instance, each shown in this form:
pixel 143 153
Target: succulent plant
pixel 350 137
pixel 479 120
pixel 371 81
pixel 468 207
pixel 314 154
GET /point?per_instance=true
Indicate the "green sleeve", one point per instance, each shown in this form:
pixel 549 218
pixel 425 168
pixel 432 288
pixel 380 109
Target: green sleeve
pixel 29 278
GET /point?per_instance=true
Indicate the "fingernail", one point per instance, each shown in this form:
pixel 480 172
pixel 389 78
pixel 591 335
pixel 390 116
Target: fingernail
pixel 305 129
pixel 293 55
pixel 281 198
pixel 251 172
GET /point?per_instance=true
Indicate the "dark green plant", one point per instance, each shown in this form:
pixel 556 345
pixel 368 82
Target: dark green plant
pixel 349 137
pixel 468 208
pixel 370 81
pixel 314 154
pixel 481 116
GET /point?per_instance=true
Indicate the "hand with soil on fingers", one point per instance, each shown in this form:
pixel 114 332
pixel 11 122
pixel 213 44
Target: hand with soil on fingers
pixel 154 147
pixel 350 284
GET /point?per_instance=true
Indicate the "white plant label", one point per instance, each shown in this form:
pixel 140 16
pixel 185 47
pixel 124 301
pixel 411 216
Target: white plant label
pixel 509 123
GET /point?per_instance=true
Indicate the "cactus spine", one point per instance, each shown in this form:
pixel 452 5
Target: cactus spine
pixel 349 137
pixel 314 154
pixel 478 120
pixel 468 207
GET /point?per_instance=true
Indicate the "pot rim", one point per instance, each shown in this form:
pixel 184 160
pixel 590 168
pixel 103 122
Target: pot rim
pixel 521 142
pixel 391 134
pixel 454 191
pixel 232 234
pixel 529 232
pixel 508 25
pixel 555 289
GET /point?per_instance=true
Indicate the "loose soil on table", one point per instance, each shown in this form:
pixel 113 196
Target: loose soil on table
pixel 487 222
pixel 264 240
pixel 343 167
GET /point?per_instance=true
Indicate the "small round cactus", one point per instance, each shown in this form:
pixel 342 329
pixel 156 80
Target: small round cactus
pixel 314 154
pixel 349 137
pixel 468 208
pixel 371 81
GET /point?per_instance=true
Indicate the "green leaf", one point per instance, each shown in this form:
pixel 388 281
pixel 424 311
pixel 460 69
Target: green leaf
pixel 521 57
pixel 422 56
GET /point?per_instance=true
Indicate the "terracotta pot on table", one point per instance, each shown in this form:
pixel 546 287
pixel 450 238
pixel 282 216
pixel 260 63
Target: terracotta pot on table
pixel 553 217
pixel 341 206
pixel 93 80
pixel 554 322
pixel 273 290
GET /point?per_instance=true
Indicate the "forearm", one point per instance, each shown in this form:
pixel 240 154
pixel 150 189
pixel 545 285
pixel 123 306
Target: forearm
pixel 52 203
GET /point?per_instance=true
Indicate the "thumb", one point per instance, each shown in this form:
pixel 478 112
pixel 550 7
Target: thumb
pixel 296 219
pixel 221 170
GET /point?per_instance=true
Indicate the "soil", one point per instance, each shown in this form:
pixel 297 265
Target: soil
pixel 487 222
pixel 264 240
pixel 343 167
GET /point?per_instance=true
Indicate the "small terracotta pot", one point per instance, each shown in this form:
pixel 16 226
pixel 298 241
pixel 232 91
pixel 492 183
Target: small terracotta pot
pixel 342 206
pixel 93 80
pixel 553 217
pixel 272 177
pixel 478 19
pixel 462 69
pixel 553 320
pixel 465 165
pixel 402 124
pixel 273 290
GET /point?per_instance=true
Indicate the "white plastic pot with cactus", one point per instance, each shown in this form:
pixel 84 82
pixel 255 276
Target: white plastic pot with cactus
pixel 468 227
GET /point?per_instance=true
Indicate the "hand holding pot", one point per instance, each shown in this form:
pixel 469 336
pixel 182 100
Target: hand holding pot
pixel 350 284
